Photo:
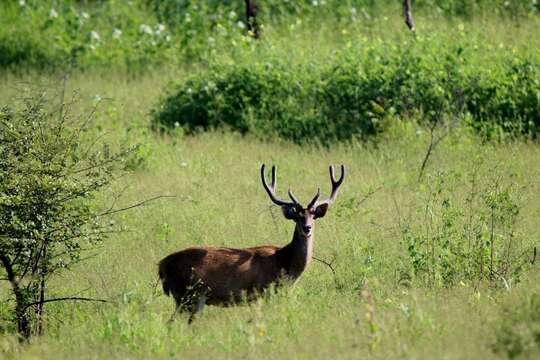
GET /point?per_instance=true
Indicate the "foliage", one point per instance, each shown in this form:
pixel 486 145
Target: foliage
pixel 221 202
pixel 49 178
pixel 471 239
pixel 143 34
pixel 358 91
pixel 517 334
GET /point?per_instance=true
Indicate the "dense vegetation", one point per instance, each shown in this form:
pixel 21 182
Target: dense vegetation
pixel 430 248
pixel 357 93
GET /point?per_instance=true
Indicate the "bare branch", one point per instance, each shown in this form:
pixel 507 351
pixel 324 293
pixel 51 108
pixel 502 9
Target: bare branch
pixel 368 195
pixel 142 203
pixel 330 266
pixel 73 298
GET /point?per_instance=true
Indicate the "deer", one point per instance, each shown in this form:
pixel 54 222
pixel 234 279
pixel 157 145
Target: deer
pixel 210 275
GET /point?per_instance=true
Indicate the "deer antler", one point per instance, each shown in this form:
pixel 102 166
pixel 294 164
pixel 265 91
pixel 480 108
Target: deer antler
pixel 271 190
pixel 335 186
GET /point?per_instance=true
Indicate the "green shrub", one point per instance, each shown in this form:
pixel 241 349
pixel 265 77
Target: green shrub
pixel 467 239
pixel 50 175
pixel 358 92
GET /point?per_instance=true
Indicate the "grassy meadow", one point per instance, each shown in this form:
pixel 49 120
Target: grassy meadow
pixel 403 281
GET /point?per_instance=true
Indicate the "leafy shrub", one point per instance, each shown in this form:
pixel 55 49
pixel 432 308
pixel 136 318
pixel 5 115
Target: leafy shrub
pixel 266 99
pixel 357 93
pixel 49 178
pixel 467 239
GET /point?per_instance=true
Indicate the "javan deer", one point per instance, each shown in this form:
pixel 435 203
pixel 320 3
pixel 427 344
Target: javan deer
pixel 210 275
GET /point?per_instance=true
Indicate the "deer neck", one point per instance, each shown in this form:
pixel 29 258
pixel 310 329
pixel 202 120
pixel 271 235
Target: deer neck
pixel 297 254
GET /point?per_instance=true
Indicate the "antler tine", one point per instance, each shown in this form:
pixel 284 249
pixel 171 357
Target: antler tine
pixel 271 190
pixel 335 184
pixel 315 199
pixel 293 198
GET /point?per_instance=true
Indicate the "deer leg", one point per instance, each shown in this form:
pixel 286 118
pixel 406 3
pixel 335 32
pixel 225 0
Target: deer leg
pixel 197 307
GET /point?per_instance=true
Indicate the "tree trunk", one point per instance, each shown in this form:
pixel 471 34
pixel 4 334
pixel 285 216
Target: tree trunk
pixel 23 323
pixel 407 12
pixel 251 19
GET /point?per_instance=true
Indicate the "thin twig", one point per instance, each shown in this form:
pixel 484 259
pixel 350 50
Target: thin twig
pixel 142 203
pixel 368 195
pixel 330 266
pixel 72 298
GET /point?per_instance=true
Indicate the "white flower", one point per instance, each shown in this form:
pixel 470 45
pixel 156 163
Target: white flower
pixel 167 38
pixel 314 3
pixel 183 163
pixel 22 3
pixel 97 98
pixel 145 29
pixel 241 24
pixel 116 33
pixel 85 15
pixel 94 36
pixel 188 18
pixel 232 15
pixel 53 14
pixel 160 28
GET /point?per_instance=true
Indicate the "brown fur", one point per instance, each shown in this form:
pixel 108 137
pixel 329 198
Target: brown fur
pixel 226 274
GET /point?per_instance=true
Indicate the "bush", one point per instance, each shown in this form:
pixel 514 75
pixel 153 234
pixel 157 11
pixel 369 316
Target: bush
pixel 358 92
pixel 467 239
pixel 49 178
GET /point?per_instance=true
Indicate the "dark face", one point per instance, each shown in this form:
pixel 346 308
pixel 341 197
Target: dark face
pixel 304 217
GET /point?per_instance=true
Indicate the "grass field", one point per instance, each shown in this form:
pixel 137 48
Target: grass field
pixel 379 302
pixel 220 201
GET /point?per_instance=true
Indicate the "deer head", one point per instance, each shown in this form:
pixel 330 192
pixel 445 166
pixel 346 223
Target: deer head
pixel 304 217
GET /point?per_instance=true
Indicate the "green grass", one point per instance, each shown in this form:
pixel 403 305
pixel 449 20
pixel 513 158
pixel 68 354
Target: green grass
pixel 220 201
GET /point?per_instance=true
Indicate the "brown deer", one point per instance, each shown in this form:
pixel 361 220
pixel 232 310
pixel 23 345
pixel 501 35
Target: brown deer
pixel 222 276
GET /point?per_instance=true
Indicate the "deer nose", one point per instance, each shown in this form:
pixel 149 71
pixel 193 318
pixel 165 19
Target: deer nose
pixel 307 229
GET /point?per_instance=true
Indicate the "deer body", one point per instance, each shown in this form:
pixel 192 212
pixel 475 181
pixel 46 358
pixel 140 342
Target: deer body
pixel 222 276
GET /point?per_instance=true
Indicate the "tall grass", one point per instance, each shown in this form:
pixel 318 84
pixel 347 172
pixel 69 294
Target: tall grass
pixel 371 307
pixel 379 304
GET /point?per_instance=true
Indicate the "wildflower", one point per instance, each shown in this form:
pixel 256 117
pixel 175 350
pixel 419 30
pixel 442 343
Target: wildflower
pixel 145 29
pixel 188 18
pixel 53 14
pixel 116 33
pixel 94 36
pixel 241 24
pixel 85 15
pixel 314 2
pixel 22 3
pixel 160 28
pixel 232 15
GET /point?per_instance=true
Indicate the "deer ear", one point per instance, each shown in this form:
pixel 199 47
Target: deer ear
pixel 320 211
